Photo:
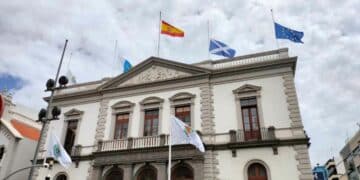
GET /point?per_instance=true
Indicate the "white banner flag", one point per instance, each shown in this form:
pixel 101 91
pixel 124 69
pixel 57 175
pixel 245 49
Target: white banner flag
pixel 181 133
pixel 57 151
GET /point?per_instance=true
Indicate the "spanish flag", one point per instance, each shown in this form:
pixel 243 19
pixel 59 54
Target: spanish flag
pixel 170 30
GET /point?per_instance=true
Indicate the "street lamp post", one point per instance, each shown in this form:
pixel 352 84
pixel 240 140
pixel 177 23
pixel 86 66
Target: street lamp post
pixel 44 115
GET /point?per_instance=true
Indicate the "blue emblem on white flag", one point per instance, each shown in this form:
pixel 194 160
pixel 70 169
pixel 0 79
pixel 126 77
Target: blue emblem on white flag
pixel 57 151
pixel 219 48
pixel 126 65
pixel 282 32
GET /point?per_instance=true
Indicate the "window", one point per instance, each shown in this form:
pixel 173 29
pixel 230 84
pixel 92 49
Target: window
pixel 257 171
pixel 61 177
pixel 184 114
pixel 250 118
pixel 147 173
pixel 122 113
pixel 70 135
pixel 182 173
pixel 2 152
pixel 151 122
pixel 121 126
pixel 182 106
pixel 115 174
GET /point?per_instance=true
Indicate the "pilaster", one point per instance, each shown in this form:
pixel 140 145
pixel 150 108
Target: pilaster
pixel 211 170
pixel 302 153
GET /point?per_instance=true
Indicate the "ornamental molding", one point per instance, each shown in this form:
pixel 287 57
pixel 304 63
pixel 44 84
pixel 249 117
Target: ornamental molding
pixel 123 104
pixel 154 73
pixel 181 96
pixel 74 112
pixel 247 88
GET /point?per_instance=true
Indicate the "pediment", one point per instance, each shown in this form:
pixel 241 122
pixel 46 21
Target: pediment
pixel 247 88
pixel 74 112
pixel 153 70
pixel 155 73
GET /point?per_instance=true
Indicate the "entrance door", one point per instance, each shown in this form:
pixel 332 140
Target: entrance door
pixel 250 119
pixel 257 171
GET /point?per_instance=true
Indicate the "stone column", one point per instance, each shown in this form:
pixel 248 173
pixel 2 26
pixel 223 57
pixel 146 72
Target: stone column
pixel 128 171
pixel 161 170
pixel 198 167
pixel 210 170
pixel 96 173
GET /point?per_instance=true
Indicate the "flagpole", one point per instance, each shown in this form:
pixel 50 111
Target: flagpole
pixel 45 123
pixel 115 54
pixel 158 48
pixel 208 29
pixel 272 16
pixel 169 141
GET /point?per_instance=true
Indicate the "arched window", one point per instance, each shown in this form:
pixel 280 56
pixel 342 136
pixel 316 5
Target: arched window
pixel 114 174
pixel 147 173
pixel 61 177
pixel 257 171
pixel 182 172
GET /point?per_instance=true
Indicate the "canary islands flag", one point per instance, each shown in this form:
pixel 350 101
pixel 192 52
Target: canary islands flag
pixel 170 30
pixel 57 151
pixel 182 133
pixel 126 64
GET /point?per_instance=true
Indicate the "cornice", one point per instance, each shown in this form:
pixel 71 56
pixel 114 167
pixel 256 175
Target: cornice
pixel 187 147
pixel 97 94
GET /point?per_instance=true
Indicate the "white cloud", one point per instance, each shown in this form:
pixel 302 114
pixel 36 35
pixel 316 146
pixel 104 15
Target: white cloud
pixel 32 35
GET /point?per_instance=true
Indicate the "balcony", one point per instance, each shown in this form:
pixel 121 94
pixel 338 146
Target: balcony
pixel 133 143
pixel 235 137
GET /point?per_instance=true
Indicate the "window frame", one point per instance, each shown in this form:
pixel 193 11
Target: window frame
pixel 256 161
pixel 72 115
pixel 122 107
pixel 183 113
pixel 184 99
pixel 61 173
pixel 243 92
pixel 152 121
pixel 148 104
pixel 121 122
pixel 75 132
pixel 3 153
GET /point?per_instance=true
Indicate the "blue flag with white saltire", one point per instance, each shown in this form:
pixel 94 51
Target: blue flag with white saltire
pixel 220 48
pixel 282 32
pixel 126 65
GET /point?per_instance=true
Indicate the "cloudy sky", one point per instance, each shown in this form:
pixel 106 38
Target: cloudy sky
pixel 32 34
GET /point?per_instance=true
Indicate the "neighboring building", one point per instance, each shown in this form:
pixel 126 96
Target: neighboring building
pixel 246 109
pixel 350 154
pixel 335 169
pixel 320 173
pixel 18 137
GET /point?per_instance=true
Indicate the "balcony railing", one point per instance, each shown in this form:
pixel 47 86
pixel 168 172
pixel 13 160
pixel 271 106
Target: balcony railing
pixel 265 134
pixel 133 143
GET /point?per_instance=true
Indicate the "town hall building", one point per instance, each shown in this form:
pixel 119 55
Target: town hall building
pixel 245 110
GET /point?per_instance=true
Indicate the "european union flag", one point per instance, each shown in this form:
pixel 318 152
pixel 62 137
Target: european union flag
pixel 127 65
pixel 219 48
pixel 282 32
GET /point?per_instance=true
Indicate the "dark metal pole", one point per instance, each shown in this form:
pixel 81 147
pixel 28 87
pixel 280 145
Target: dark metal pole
pixel 19 170
pixel 45 122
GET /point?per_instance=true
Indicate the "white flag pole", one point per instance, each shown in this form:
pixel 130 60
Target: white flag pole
pixel 169 141
pixel 272 16
pixel 158 48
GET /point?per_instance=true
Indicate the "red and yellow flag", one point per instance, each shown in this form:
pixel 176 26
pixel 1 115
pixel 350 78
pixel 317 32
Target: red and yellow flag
pixel 170 30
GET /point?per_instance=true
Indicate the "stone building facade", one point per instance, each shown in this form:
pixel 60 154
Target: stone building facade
pixel 245 109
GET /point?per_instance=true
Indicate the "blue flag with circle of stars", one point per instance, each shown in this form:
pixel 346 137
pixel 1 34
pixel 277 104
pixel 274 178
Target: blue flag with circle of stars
pixel 282 32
